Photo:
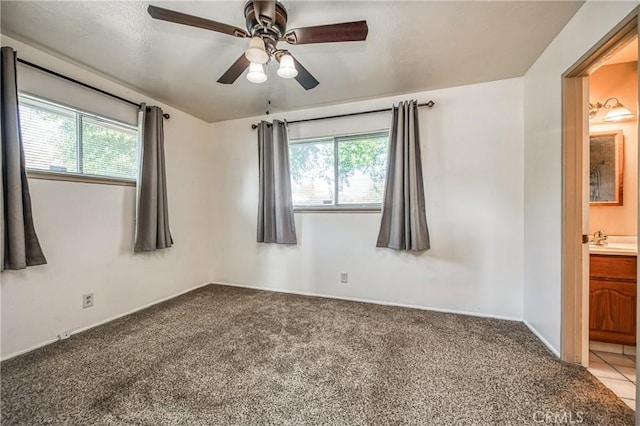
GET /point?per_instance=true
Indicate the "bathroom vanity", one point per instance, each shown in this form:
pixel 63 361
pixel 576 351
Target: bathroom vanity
pixel 612 294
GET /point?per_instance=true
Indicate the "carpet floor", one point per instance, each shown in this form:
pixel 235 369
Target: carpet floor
pixel 226 356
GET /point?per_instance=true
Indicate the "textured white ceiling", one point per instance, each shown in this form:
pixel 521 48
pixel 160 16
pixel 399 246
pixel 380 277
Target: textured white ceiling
pixel 412 46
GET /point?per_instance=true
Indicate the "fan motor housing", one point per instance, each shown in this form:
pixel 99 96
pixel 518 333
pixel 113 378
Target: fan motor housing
pixel 270 29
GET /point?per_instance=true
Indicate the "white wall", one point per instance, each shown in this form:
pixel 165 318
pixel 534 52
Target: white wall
pixel 86 231
pixel 543 161
pixel 477 188
pixel 472 147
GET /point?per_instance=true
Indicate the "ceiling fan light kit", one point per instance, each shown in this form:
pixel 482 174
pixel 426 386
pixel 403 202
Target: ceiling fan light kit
pixel 256 73
pixel 287 67
pixel 256 52
pixel 266 23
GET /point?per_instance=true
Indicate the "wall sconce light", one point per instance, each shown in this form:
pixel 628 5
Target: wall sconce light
pixel 618 111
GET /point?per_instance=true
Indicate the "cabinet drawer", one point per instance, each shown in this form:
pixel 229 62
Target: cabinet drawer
pixel 613 267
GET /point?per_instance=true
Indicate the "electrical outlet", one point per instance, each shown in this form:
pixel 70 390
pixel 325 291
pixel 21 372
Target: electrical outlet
pixel 344 277
pixel 87 300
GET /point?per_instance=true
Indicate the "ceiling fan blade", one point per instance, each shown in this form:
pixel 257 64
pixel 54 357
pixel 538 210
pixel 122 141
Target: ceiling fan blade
pixel 304 77
pixel 347 31
pixel 234 70
pixel 265 11
pixel 195 21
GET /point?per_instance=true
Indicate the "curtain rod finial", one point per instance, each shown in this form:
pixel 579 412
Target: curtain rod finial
pixel 430 104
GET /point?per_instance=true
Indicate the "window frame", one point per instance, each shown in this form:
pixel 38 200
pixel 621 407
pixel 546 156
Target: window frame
pixel 29 99
pixel 336 207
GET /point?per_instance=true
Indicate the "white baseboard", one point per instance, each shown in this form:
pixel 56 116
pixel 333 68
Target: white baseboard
pixel 148 305
pixel 542 339
pixel 375 302
pixel 301 293
pixel 31 348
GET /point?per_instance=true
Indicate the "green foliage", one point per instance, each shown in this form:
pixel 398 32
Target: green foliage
pixel 106 151
pixel 309 161
pixel 50 140
pixel 313 161
pixel 365 155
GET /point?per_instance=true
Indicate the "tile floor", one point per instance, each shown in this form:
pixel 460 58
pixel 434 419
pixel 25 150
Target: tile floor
pixel 617 371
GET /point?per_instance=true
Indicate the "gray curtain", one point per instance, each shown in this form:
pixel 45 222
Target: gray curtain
pixel 20 247
pixel 275 206
pixel 152 219
pixel 404 221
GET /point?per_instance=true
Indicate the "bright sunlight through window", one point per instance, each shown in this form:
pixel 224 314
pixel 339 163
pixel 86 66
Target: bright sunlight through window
pixel 59 139
pixel 339 172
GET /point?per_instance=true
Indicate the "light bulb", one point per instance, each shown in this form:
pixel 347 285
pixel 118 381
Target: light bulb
pixel 287 67
pixel 256 73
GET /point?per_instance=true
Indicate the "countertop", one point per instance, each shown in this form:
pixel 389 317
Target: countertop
pixel 617 246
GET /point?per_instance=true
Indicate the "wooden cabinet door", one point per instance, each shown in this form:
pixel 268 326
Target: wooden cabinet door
pixel 612 311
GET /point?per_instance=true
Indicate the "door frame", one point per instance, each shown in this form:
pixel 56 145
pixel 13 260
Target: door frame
pixel 575 206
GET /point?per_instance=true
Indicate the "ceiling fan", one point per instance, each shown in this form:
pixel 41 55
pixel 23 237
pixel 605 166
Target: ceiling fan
pixel 266 26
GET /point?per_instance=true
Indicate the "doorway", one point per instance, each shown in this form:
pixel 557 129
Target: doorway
pixel 591 132
pixel 612 223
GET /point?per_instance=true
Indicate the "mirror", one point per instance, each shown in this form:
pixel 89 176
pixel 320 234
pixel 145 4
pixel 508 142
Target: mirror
pixel 605 168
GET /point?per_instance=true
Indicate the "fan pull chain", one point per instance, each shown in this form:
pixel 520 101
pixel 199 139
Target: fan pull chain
pixel 268 88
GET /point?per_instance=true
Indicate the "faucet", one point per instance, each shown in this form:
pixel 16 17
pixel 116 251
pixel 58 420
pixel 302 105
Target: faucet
pixel 599 238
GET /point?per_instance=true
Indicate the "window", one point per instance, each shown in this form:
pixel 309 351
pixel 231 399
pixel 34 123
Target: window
pixel 63 140
pixel 339 172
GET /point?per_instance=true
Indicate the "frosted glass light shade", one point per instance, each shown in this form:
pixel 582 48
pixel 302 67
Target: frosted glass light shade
pixel 256 73
pixel 618 113
pixel 287 67
pixel 256 52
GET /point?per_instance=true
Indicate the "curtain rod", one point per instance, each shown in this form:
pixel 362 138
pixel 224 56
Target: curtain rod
pixel 427 104
pixel 80 83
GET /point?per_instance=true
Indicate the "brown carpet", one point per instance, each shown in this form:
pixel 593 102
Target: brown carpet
pixel 222 355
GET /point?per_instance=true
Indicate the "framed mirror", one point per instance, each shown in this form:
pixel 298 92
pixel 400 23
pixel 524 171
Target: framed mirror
pixel 606 153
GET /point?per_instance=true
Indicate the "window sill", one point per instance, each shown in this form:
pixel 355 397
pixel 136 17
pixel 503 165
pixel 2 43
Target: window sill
pixel 338 209
pixel 71 177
